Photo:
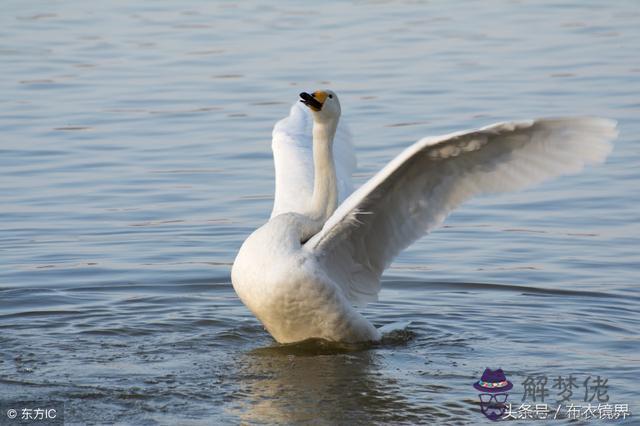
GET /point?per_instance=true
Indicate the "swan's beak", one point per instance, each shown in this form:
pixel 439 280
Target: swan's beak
pixel 314 100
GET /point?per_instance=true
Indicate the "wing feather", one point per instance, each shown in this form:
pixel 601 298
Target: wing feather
pixel 415 192
pixel 292 147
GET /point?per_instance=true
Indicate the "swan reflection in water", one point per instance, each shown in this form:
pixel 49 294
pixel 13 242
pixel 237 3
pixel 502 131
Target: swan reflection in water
pixel 323 382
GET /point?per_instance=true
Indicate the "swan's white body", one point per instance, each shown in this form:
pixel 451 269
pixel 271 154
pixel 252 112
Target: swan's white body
pixel 302 272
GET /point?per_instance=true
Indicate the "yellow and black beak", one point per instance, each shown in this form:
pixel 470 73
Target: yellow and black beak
pixel 314 100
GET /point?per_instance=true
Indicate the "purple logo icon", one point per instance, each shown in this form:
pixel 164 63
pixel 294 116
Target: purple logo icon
pixel 494 386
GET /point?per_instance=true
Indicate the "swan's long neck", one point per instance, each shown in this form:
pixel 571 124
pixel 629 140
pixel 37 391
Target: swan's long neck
pixel 325 184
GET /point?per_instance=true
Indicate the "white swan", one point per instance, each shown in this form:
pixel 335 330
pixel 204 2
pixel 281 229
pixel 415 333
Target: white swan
pixel 302 272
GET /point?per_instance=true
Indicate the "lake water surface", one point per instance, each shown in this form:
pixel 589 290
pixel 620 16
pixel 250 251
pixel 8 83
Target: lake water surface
pixel 135 159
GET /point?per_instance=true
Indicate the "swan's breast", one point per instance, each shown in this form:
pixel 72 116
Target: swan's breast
pixel 268 262
pixel 288 290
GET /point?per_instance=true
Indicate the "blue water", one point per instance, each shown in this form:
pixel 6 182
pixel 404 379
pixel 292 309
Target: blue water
pixel 135 158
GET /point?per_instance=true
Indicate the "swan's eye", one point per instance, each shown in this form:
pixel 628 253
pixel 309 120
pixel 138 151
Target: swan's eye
pixel 331 96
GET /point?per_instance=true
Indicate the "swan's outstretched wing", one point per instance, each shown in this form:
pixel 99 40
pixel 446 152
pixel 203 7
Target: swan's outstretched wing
pixel 293 157
pixel 420 187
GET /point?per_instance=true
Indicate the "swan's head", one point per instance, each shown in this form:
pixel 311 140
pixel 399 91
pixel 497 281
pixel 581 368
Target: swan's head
pixel 323 103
